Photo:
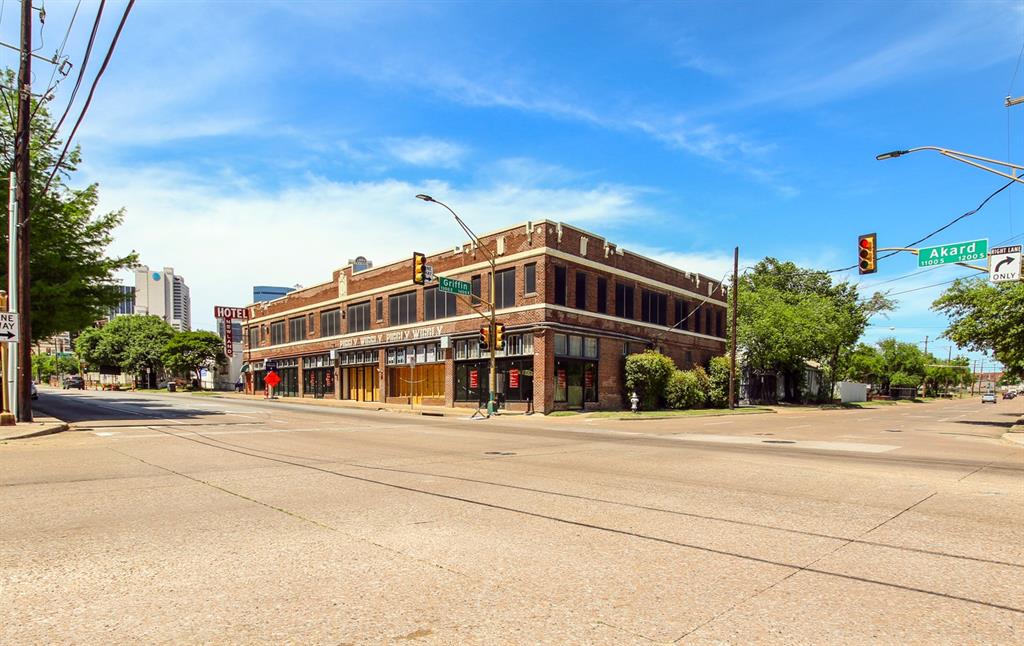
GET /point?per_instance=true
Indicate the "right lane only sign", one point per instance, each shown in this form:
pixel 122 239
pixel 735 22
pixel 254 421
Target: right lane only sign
pixel 1004 264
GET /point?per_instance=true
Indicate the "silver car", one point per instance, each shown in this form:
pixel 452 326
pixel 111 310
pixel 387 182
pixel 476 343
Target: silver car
pixel 988 398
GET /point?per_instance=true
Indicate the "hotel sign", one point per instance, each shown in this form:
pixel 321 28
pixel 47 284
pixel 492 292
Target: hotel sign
pixel 399 336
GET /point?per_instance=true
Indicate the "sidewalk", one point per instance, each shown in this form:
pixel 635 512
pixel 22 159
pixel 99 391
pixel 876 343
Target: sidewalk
pixel 42 425
pixel 431 411
pixel 1015 433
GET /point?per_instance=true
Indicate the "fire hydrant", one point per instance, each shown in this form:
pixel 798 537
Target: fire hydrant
pixel 634 401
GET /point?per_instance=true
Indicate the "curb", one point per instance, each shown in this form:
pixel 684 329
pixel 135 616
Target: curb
pixel 463 413
pixel 59 427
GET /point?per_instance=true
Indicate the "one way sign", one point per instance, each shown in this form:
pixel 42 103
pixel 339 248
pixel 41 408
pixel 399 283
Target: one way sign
pixel 1004 264
pixel 9 327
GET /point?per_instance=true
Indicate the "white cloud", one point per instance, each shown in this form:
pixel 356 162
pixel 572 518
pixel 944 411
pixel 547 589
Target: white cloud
pixel 224 234
pixel 425 151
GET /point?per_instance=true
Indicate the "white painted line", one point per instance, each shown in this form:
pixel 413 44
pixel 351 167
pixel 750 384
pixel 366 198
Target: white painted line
pixel 793 444
pixel 103 434
pixel 717 423
pixel 802 426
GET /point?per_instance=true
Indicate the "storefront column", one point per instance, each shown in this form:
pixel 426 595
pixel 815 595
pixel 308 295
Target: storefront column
pixel 337 381
pixel 449 377
pixel 301 385
pixel 543 371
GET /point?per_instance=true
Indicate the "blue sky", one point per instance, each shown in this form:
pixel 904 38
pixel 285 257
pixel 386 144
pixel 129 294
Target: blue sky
pixel 268 143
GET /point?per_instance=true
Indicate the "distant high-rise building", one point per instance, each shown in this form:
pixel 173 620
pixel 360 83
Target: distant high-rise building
pixel 163 294
pixel 264 293
pixel 127 303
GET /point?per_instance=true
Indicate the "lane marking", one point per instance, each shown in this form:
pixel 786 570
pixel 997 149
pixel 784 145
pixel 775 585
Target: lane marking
pixel 796 444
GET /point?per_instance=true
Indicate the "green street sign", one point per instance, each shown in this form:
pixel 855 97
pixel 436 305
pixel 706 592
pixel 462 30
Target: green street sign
pixel 453 286
pixel 950 253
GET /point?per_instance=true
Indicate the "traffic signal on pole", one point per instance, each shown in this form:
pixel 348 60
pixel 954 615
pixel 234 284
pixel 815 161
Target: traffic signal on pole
pixel 867 254
pixel 485 338
pixel 499 336
pixel 419 268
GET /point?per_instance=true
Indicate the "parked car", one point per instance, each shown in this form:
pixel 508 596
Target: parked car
pixel 74 381
pixel 34 392
pixel 988 397
pixel 1009 394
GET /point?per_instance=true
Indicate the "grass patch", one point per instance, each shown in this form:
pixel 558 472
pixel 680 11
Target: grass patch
pixel 668 414
pixel 564 413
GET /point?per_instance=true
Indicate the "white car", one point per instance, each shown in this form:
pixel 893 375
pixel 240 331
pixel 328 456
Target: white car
pixel 988 397
pixel 34 392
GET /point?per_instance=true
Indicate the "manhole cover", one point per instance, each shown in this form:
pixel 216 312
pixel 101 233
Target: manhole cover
pixel 779 441
pixel 498 453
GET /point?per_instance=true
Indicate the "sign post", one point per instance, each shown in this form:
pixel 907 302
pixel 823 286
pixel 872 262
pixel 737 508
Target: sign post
pixel 1004 264
pixel 10 321
pixel 949 254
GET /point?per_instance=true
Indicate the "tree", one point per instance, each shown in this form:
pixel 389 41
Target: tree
pixel 193 351
pixel 864 364
pixel 72 281
pixel 134 343
pixel 987 318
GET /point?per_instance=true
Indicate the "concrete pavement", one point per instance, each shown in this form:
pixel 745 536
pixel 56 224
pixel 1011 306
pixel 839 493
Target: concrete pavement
pixel 172 520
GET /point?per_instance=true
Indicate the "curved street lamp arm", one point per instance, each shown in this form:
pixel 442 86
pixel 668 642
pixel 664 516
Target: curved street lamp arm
pixel 966 158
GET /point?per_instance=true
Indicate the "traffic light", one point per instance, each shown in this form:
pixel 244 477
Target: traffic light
pixel 499 336
pixel 419 268
pixel 867 254
pixel 485 338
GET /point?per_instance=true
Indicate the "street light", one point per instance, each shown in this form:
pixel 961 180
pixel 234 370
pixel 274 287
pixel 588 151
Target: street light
pixel 492 380
pixel 966 158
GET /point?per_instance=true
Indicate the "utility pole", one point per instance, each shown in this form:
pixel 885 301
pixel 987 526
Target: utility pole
pixel 926 344
pixel 735 302
pixel 22 169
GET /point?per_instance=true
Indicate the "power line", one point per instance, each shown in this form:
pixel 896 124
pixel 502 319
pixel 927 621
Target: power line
pixel 60 51
pixel 92 91
pixel 916 289
pixel 81 70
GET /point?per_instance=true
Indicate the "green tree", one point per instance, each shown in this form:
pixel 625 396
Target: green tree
pixel 864 364
pixel 901 358
pixel 133 343
pixel 72 281
pixel 718 381
pixel 987 318
pixel 45 366
pixel 192 351
pixel 646 375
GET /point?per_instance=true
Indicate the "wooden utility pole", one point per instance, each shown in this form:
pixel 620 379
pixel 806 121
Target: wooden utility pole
pixel 735 308
pixel 22 169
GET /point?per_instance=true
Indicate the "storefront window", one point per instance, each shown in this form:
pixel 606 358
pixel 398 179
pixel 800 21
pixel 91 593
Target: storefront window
pixel 514 380
pixel 575 382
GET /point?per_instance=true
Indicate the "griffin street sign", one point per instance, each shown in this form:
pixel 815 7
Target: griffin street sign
pixel 1004 264
pixel 9 327
pixel 948 254
pixel 453 286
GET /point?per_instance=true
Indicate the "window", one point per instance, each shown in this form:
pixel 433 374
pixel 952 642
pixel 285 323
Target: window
pixel 402 308
pixel 277 333
pixel 437 304
pixel 330 322
pixel 652 307
pixel 561 344
pixel 474 289
pixel 560 286
pixel 707 321
pixel 505 288
pixel 297 328
pixel 590 347
pixel 254 336
pixel 623 301
pixel 602 295
pixel 530 278
pixel 311 319
pixel 696 318
pixel 581 290
pixel 380 309
pixel 719 323
pixel 358 316
pixel 574 345
pixel 682 314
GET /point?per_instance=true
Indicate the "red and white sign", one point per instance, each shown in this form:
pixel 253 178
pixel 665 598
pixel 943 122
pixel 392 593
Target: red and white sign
pixel 513 378
pixel 474 380
pixel 222 312
pixel 229 339
pixel 588 378
pixel 561 379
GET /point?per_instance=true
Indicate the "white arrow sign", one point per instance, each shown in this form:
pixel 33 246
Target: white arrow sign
pixel 1004 264
pixel 9 327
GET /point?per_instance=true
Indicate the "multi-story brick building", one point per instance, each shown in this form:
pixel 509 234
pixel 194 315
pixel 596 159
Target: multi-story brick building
pixel 573 304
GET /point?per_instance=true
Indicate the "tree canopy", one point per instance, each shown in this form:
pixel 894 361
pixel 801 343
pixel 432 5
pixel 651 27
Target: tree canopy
pixel 72 281
pixel 134 343
pixel 987 318
pixel 193 351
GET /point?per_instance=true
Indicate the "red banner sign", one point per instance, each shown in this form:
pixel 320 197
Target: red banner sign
pixel 474 381
pixel 513 378
pixel 588 379
pixel 221 312
pixel 229 339
pixel 561 379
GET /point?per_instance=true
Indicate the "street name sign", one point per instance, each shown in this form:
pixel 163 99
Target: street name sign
pixel 9 327
pixel 221 312
pixel 948 254
pixel 270 365
pixel 1004 264
pixel 453 286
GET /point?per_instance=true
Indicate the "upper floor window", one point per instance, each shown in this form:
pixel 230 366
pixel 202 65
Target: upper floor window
pixel 652 307
pixel 602 295
pixel 581 290
pixel 560 286
pixel 682 314
pixel 719 323
pixel 505 288
pixel 330 322
pixel 707 321
pixel 437 304
pixel 624 300
pixel 254 336
pixel 297 328
pixel 402 308
pixel 380 309
pixel 358 317
pixel 530 278
pixel 277 333
pixel 474 289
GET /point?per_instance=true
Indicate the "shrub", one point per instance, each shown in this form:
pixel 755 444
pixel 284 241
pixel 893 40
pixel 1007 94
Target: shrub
pixel 683 390
pixel 718 383
pixel 704 384
pixel 647 374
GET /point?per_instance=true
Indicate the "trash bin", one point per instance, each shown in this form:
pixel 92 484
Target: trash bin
pixel 171 387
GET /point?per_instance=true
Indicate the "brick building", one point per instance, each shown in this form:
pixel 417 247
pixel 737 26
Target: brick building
pixel 573 304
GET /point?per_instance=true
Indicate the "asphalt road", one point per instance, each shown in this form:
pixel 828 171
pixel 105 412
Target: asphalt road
pixel 185 519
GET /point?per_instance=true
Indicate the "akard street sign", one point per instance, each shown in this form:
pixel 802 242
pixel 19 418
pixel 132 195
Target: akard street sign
pixel 9 327
pixel 453 286
pixel 951 253
pixel 1004 264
